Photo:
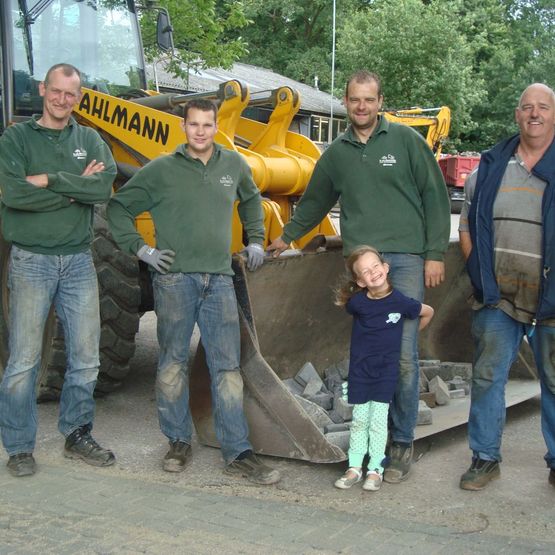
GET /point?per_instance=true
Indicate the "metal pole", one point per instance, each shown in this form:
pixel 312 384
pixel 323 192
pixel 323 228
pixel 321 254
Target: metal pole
pixel 330 127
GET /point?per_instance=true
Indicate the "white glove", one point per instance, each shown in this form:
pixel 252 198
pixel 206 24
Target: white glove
pixel 161 261
pixel 255 256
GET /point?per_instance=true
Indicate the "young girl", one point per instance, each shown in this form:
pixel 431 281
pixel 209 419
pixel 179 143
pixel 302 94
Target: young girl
pixel 378 312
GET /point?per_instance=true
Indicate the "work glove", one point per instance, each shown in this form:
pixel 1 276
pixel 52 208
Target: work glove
pixel 255 256
pixel 161 261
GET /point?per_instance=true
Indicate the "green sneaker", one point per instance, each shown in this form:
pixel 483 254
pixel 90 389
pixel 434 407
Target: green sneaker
pixel 480 474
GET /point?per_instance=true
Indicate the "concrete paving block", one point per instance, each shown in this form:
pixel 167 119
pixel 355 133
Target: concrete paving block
pixel 341 439
pixel 343 408
pixel 459 383
pixel 439 387
pixel 428 398
pixel 336 418
pixel 305 374
pixel 431 371
pixel 341 427
pixel 343 367
pixel 314 385
pixel 292 386
pixel 457 393
pixel 425 415
pixel 428 362
pixel 322 398
pixel 422 381
pixel 333 381
pixel 451 369
pixel 315 412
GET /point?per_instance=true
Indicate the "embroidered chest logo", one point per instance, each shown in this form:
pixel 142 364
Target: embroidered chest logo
pixel 388 161
pixel 80 154
pixel 226 180
pixel 393 318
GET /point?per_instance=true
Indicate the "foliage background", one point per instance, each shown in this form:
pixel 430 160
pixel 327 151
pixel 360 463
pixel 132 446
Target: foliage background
pixel 476 56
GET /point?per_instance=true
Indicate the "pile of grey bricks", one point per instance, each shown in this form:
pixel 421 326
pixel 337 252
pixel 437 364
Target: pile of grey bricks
pixel 325 401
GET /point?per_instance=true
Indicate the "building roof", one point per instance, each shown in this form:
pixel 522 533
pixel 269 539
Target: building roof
pixel 257 79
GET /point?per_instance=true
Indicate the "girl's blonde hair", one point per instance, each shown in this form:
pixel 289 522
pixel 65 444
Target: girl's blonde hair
pixel 348 286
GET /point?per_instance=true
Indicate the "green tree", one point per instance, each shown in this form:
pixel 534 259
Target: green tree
pixel 514 46
pixel 206 32
pixel 420 54
pixel 294 38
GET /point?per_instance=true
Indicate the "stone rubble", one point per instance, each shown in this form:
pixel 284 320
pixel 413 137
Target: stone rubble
pixel 325 400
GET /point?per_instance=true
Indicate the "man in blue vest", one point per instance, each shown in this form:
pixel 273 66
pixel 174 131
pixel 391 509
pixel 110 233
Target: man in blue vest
pixel 507 235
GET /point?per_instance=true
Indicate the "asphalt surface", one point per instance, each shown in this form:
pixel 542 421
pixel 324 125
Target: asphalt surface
pixel 136 507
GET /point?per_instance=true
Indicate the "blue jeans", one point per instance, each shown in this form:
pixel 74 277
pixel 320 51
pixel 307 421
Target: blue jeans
pixel 180 301
pixel 36 282
pixel 497 339
pixel 406 274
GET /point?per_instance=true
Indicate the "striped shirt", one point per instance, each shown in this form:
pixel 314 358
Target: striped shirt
pixel 517 221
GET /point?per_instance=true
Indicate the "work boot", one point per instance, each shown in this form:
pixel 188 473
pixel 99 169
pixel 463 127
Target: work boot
pixel 400 455
pixel 22 464
pixel 81 445
pixel 177 457
pixel 253 469
pixel 479 474
pixel 551 478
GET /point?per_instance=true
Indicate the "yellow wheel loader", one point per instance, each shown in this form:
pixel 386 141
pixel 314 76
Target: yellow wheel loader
pixel 286 311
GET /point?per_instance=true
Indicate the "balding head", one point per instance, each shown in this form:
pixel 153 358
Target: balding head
pixel 535 115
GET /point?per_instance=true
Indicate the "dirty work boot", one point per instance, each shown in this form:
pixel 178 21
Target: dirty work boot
pixel 22 464
pixel 479 474
pixel 551 478
pixel 81 445
pixel 400 455
pixel 253 469
pixel 177 457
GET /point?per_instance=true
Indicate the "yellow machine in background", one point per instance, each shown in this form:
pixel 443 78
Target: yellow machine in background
pixel 281 161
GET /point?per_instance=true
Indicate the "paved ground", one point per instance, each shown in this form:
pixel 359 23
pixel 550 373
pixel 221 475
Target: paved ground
pixel 135 507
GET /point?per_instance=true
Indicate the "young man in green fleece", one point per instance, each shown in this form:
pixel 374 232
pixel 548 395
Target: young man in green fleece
pixel 393 197
pixel 52 172
pixel 190 195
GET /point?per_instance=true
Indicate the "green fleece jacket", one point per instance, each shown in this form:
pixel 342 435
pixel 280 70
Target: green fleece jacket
pixel 57 219
pixel 391 193
pixel 191 205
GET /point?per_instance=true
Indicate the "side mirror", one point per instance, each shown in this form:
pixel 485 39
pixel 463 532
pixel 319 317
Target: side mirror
pixel 164 31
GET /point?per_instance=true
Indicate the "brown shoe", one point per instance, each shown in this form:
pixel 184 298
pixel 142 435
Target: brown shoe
pixel 551 478
pixel 22 464
pixel 254 470
pixel 177 457
pixel 479 474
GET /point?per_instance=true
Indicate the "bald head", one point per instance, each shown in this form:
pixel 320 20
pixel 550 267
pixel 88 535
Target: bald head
pixel 539 87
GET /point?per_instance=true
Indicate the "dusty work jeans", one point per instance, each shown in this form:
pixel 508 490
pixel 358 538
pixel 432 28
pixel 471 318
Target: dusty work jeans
pixel 180 301
pixel 497 339
pixel 36 281
pixel 406 274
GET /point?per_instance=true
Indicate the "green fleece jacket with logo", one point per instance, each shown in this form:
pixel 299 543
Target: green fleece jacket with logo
pixel 191 205
pixel 57 219
pixel 391 193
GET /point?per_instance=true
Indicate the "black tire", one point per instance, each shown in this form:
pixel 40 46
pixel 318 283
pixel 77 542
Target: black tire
pixel 120 297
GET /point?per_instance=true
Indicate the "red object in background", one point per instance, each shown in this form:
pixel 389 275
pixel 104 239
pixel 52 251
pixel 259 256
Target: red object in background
pixel 456 168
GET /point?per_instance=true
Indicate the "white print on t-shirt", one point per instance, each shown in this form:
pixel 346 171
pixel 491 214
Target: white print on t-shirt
pixel 393 318
pixel 80 154
pixel 388 161
pixel 226 180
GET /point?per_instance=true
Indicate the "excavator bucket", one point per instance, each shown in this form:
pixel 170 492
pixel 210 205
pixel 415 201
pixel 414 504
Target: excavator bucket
pixel 288 318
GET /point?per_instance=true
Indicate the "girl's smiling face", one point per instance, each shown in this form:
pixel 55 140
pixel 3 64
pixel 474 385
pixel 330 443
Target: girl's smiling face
pixel 372 273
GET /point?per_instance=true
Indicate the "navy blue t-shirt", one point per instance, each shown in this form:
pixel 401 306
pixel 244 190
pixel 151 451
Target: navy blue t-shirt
pixel 376 344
